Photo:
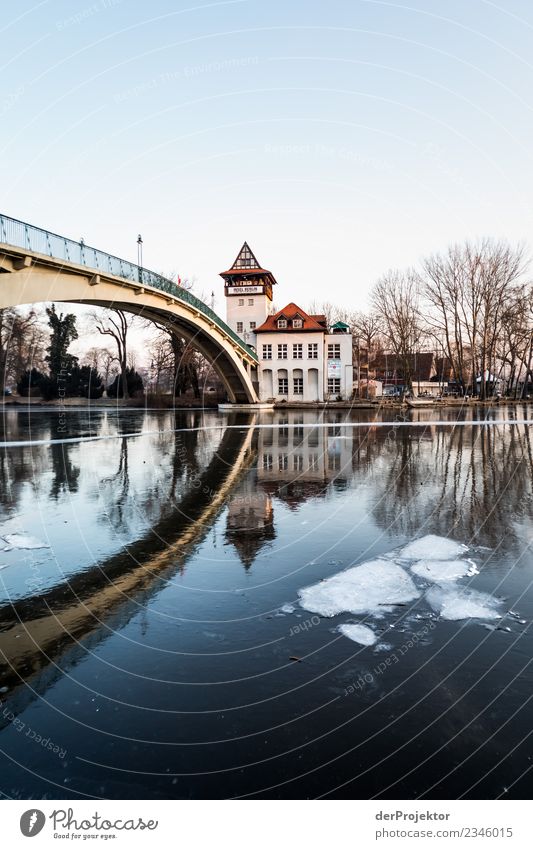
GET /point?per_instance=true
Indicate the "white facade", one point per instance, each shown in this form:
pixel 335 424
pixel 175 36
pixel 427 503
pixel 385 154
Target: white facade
pixel 247 310
pixel 307 366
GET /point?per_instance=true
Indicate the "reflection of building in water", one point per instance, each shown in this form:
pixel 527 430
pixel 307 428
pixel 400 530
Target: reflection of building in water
pixel 250 521
pixel 297 462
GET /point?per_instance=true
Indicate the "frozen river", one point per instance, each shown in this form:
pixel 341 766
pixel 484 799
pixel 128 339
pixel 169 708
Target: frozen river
pixel 287 605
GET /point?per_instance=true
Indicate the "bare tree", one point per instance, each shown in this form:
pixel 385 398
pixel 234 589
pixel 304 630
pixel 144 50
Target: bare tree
pixel 116 323
pixel 23 339
pixel 395 299
pixel 104 361
pixel 332 312
pixel 161 361
pixel 469 290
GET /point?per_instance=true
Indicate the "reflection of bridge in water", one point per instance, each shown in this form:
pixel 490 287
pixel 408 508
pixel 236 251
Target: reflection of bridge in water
pixel 36 631
pixel 36 265
pixel 252 471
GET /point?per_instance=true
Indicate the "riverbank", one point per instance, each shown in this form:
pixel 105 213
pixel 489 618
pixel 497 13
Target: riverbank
pixel 389 403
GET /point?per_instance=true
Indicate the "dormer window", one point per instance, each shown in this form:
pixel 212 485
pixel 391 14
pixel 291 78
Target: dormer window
pixel 282 323
pixel 297 322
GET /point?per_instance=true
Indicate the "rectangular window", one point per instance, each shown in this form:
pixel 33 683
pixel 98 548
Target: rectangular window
pixel 312 351
pixel 283 386
pixel 298 463
pixel 239 327
pixel 268 463
pixel 297 322
pixel 282 352
pixel 298 386
pixel 334 385
pixel 241 302
pixel 250 302
pixel 313 462
pixel 334 352
pixel 297 351
pixel 253 325
pixel 283 462
pixel 282 323
pixel 267 352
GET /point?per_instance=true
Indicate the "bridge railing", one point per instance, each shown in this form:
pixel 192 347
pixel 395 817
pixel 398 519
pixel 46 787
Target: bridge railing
pixel 22 235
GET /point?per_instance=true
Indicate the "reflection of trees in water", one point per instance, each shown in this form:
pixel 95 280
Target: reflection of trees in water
pixel 116 489
pixel 171 463
pixel 66 474
pixel 473 483
pixel 18 467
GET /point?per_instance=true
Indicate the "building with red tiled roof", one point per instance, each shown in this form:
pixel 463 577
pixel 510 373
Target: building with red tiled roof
pixel 293 318
pixel 300 357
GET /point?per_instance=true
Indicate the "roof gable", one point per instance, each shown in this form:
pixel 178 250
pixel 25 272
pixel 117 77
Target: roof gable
pixel 245 258
pixel 290 313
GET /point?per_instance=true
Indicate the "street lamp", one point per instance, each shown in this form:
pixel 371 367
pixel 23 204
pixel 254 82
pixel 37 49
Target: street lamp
pixel 140 255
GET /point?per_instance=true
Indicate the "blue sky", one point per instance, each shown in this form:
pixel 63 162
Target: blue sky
pixel 338 138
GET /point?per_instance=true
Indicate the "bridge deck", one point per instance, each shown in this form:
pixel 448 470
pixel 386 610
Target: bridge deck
pixel 26 236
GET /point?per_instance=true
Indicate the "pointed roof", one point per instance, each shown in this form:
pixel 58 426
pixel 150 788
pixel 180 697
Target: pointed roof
pixel 246 266
pixel 245 258
pixel 290 312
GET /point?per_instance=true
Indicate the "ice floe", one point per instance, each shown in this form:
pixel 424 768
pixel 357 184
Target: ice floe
pixel 23 541
pixel 441 571
pixel 432 547
pixel 373 587
pixel 359 634
pixel 287 608
pixel 383 585
pixel 463 603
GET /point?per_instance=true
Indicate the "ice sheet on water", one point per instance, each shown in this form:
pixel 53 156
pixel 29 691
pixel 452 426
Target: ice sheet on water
pixel 24 541
pixel 441 571
pixel 432 547
pixel 361 634
pixel 461 603
pixel 373 587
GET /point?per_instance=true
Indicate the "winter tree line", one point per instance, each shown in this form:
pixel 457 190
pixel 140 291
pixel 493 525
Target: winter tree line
pixel 35 358
pixel 472 305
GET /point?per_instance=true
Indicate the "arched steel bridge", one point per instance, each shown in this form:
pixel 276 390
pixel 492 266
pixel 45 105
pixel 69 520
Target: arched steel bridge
pixel 36 265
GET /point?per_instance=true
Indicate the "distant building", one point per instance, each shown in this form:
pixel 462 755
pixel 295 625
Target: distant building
pixel 300 357
pixel 390 371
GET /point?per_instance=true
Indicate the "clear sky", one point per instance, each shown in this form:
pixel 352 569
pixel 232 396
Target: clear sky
pixel 339 138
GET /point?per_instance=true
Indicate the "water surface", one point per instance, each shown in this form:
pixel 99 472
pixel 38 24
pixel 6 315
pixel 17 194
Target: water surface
pixel 154 646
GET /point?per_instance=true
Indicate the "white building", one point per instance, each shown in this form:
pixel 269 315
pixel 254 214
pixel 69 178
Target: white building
pixel 300 357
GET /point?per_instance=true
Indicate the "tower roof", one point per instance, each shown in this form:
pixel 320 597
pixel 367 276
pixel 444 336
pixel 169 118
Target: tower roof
pixel 246 266
pixel 245 258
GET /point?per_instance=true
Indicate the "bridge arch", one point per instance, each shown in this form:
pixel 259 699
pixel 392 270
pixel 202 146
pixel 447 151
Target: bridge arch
pixel 28 276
